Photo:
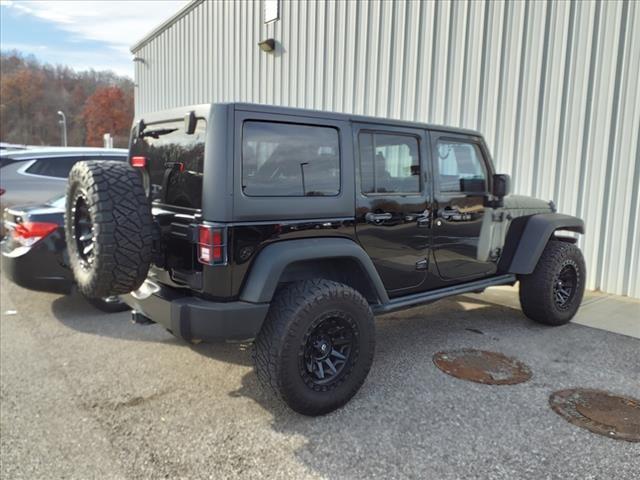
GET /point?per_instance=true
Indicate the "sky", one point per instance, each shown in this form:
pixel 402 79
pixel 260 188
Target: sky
pixel 82 34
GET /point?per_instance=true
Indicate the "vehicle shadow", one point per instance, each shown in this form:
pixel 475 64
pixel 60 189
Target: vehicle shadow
pixel 402 324
pixel 76 313
pixel 377 425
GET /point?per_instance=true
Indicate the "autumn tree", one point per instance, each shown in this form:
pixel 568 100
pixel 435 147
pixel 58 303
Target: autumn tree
pixel 108 110
pixel 21 94
pixel 31 93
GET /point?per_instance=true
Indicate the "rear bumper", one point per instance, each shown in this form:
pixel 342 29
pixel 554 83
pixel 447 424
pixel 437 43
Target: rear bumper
pixel 193 318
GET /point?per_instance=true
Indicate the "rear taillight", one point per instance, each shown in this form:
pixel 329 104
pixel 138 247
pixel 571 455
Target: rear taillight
pixel 138 162
pixel 2 190
pixel 28 233
pixel 212 248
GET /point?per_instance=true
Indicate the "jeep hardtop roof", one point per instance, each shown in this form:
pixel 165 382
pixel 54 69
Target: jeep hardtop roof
pixel 202 110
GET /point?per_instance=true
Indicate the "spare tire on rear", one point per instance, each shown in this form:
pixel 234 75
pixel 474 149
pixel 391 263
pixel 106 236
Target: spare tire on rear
pixel 107 228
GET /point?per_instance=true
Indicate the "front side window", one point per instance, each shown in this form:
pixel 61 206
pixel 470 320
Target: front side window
pixel 461 168
pixel 289 160
pixel 389 163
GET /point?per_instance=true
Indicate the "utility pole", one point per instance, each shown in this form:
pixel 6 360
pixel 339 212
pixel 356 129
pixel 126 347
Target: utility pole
pixel 63 122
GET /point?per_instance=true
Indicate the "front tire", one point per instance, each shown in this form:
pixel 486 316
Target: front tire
pixel 316 346
pixel 552 294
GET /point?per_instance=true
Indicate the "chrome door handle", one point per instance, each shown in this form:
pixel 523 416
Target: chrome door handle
pixel 376 218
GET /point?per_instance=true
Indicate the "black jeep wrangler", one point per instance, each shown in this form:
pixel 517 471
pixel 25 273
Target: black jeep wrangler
pixel 293 228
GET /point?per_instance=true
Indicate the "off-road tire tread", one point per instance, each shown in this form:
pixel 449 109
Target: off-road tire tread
pixel 536 289
pixel 122 227
pixel 292 303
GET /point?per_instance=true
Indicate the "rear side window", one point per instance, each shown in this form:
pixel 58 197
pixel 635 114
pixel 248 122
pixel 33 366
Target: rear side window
pixel 58 167
pixel 290 160
pixel 389 163
pixel 174 162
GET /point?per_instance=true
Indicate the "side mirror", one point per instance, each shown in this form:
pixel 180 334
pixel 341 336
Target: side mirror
pixel 501 185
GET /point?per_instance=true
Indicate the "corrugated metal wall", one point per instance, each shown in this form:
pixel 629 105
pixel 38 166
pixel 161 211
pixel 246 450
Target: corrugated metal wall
pixel 554 86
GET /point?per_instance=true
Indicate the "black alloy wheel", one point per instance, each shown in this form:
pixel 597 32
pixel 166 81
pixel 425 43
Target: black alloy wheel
pixel 564 287
pixel 327 350
pixel 83 230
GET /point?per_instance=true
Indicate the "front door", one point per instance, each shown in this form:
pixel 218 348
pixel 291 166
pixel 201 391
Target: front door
pixel 461 174
pixel 392 203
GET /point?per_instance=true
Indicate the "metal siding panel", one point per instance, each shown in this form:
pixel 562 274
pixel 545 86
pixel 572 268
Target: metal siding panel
pixel 455 62
pixel 549 114
pixel 472 66
pixel 373 35
pixel 553 87
pixel 531 65
pixel 620 215
pixel 490 71
pixel 439 63
pixel 410 59
pixel 597 150
pixel 508 90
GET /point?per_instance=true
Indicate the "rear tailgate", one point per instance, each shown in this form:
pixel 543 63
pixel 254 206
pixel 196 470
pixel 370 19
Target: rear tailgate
pixel 172 162
pixel 175 261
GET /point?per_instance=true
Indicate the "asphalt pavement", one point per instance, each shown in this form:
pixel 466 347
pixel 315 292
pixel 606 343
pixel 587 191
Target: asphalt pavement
pixel 90 395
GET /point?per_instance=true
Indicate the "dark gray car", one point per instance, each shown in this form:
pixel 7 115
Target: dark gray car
pixel 35 175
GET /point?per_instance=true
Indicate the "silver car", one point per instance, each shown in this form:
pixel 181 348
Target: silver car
pixel 36 175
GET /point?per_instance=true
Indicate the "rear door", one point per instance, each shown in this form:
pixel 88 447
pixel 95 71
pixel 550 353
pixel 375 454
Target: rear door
pixel 173 166
pixel 461 174
pixel 392 203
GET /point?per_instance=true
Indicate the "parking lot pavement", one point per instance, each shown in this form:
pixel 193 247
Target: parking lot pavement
pixel 89 395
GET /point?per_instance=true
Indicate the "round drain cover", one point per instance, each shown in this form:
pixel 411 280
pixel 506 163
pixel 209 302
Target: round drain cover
pixel 483 367
pixel 599 411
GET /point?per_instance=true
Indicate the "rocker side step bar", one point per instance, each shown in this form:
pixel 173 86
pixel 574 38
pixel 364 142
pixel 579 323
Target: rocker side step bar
pixel 433 295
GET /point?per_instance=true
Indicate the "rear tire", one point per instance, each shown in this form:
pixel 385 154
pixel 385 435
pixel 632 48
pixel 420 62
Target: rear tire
pixel 553 292
pixel 316 346
pixel 107 228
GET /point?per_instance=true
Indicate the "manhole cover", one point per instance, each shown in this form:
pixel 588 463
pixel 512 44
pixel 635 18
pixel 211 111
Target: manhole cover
pixel 483 367
pixel 599 411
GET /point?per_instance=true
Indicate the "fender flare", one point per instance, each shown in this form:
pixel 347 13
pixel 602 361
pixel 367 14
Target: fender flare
pixel 528 236
pixel 267 268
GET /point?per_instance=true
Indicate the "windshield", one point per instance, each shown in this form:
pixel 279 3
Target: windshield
pixel 174 162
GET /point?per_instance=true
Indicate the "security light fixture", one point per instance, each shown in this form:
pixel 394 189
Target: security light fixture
pixel 268 45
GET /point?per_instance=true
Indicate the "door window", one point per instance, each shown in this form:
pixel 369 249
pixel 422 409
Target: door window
pixel 389 163
pixel 461 168
pixel 289 160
